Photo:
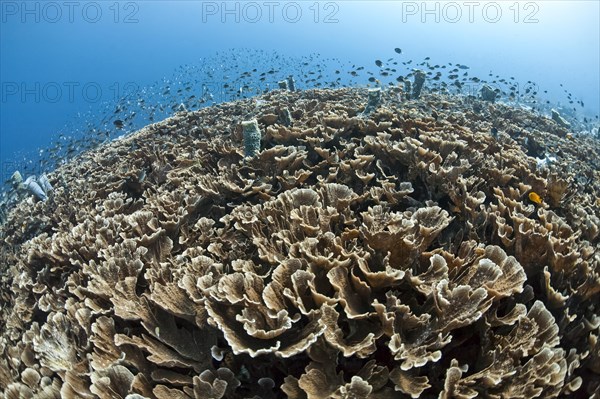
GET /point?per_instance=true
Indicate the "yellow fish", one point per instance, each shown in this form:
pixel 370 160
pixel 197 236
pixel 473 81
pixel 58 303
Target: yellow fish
pixel 535 198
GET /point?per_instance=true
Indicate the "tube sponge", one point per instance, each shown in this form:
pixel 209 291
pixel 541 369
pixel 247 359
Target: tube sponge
pixel 407 88
pixel 291 83
pixel 418 84
pixel 285 116
pixel 16 178
pixel 34 188
pixel 45 184
pixel 559 119
pixel 283 84
pixel 252 138
pixel 488 94
pixel 374 101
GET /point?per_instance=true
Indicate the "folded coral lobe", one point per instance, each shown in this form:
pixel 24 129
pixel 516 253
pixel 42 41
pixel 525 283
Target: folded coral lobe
pixel 316 244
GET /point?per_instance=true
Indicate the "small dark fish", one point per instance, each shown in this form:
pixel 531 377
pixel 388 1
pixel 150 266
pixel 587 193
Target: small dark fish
pixel 118 124
pixel 398 50
pixel 378 63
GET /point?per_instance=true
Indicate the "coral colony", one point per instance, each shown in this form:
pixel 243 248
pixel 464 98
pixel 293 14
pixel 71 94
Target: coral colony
pixel 310 244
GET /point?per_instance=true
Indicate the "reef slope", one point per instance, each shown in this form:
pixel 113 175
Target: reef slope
pixel 442 247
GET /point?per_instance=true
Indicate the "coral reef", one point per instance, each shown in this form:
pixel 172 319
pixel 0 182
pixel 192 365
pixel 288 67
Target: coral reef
pixel 396 255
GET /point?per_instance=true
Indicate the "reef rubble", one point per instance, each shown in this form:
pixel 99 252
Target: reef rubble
pixel 393 253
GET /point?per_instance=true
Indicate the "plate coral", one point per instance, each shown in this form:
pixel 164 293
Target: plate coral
pixel 394 253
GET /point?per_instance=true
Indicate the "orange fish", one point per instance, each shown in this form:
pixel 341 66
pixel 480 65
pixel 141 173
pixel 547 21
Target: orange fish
pixel 535 198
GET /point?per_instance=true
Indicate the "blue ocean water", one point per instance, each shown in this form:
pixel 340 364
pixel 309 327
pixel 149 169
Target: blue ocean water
pixel 67 68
